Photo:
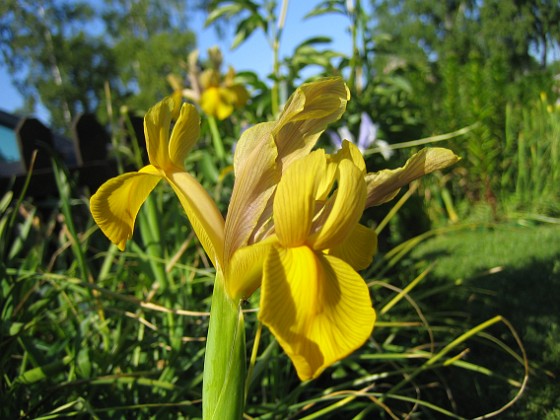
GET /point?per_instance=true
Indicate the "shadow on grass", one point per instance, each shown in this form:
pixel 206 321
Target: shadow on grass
pixel 513 272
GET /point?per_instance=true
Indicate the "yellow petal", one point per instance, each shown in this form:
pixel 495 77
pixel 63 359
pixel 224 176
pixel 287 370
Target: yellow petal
pixel 256 176
pixel 157 125
pixel 254 138
pixel 209 100
pixel 184 135
pixel 256 156
pixel 244 271
pixel 217 102
pixel 350 151
pixel 318 308
pixel 384 185
pixel 306 115
pixel 205 218
pixel 358 248
pixel 343 210
pixel 294 202
pixel 116 203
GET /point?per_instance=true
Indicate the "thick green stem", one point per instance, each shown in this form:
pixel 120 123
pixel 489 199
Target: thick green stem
pixel 224 363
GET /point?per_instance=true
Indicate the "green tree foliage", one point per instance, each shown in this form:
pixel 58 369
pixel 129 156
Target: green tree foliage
pixel 64 54
pixel 150 40
pixel 51 59
pixel 466 60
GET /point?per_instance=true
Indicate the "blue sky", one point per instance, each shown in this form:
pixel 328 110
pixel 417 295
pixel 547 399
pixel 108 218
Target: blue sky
pixel 255 54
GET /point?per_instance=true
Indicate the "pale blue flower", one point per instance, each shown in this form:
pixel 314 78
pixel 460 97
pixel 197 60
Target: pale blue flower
pixel 366 138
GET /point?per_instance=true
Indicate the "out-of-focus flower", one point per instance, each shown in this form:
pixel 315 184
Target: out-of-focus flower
pixel 366 138
pixel 218 95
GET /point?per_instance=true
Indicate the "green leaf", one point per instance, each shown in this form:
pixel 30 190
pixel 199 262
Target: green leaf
pixel 327 7
pixel 39 373
pixel 246 27
pixel 314 41
pixel 228 11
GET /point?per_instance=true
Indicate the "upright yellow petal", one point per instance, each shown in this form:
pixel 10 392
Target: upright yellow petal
pixel 157 126
pixel 256 176
pixel 116 203
pixel 343 210
pixel 318 308
pixel 351 152
pixel 205 217
pixel 294 202
pixel 267 149
pixel 384 185
pixel 306 115
pixel 184 135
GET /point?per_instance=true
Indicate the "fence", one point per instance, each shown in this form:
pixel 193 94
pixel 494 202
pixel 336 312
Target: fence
pixel 85 154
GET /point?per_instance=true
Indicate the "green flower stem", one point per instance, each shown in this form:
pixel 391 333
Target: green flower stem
pixel 216 138
pixel 149 227
pixel 224 363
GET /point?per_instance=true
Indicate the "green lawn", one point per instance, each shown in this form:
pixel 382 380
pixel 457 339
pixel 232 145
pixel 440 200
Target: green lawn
pixel 513 271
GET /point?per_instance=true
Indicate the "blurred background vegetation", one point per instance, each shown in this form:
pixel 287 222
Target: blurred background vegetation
pixel 89 331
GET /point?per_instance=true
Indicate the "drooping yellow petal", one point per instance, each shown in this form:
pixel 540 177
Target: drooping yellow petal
pixel 318 308
pixel 294 202
pixel 384 185
pixel 358 248
pixel 343 210
pixel 255 179
pixel 244 270
pixel 306 115
pixel 206 219
pixel 157 126
pixel 184 135
pixel 116 203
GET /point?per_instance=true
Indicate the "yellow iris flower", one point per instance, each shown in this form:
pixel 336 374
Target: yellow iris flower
pixel 288 229
pixel 219 98
pixel 116 203
pixel 313 300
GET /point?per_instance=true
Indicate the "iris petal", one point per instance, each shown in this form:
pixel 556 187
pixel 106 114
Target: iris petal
pixel 206 220
pixel 244 271
pixel 306 115
pixel 294 202
pixel 358 248
pixel 157 125
pixel 184 135
pixel 350 151
pixel 344 209
pixel 217 102
pixel 255 179
pixel 317 307
pixel 116 203
pixel 384 185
